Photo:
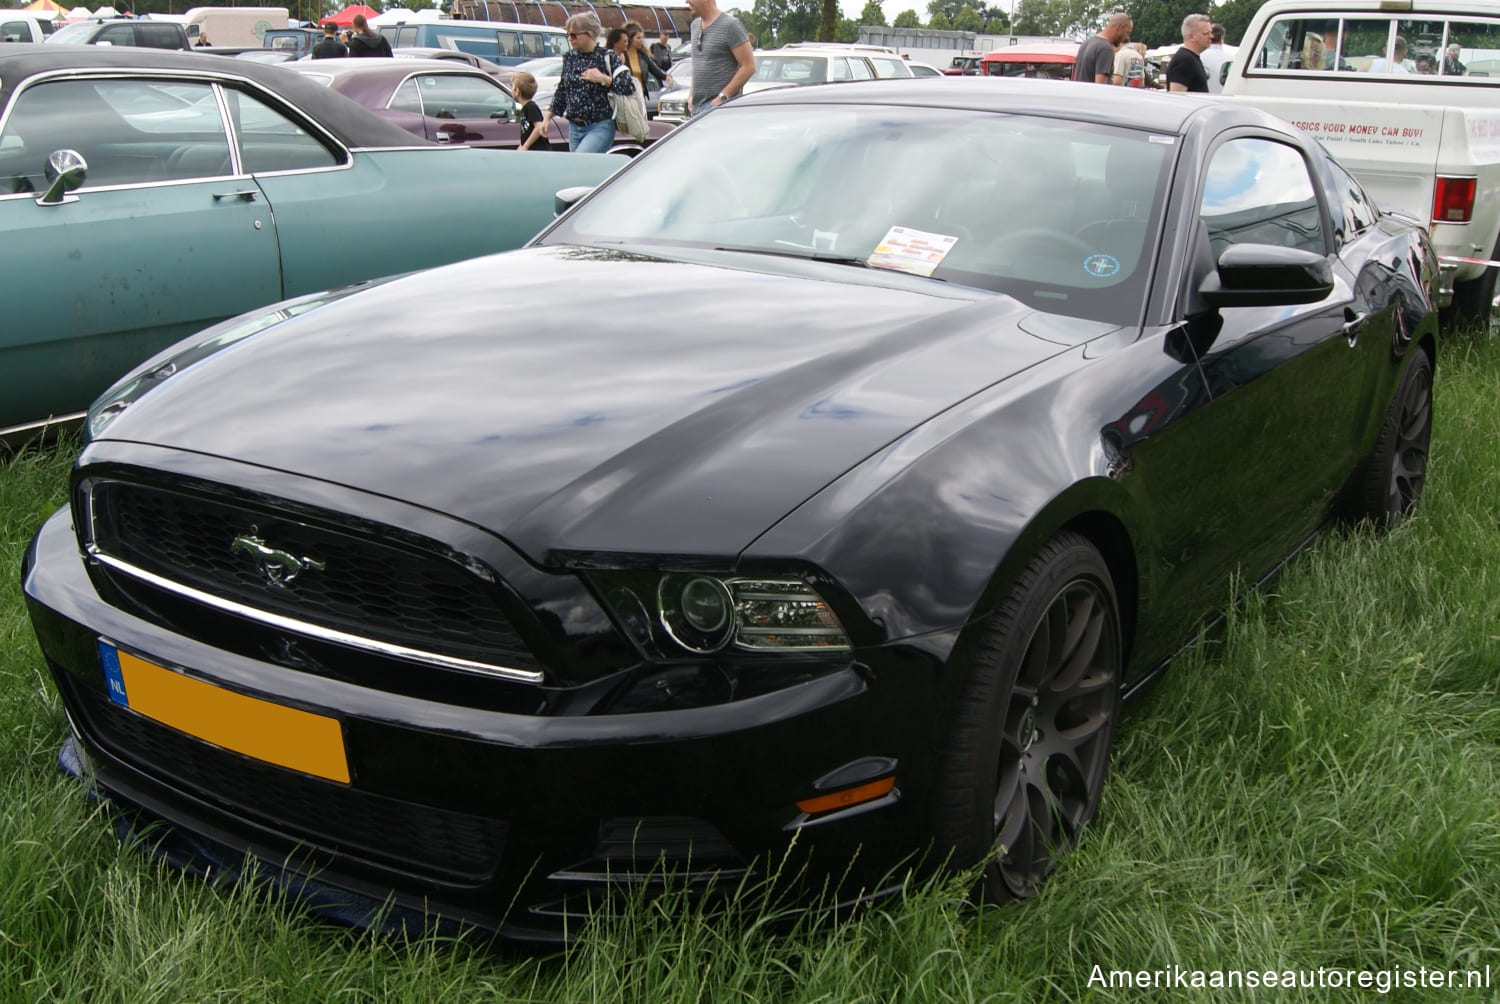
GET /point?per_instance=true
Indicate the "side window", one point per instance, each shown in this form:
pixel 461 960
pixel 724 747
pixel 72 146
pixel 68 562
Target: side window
pixel 533 45
pixel 406 98
pixel 509 43
pixel 890 67
pixel 1365 43
pixel 269 141
pixel 158 36
pixel 129 132
pixel 861 69
pixel 1258 191
pixel 1472 50
pixel 15 31
pixel 404 36
pixel 451 96
pixel 838 69
pixel 1350 207
pixel 117 34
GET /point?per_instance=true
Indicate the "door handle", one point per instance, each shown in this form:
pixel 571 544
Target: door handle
pixel 248 195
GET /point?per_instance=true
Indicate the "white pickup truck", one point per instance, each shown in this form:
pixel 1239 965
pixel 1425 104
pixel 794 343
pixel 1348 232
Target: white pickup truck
pixel 1406 95
pixel 18 26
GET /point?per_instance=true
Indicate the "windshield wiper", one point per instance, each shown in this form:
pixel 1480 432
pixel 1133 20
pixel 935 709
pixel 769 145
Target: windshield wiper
pixel 806 254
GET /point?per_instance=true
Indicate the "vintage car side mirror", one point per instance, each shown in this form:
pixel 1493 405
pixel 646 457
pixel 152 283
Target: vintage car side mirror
pixel 564 198
pixel 65 171
pixel 1264 275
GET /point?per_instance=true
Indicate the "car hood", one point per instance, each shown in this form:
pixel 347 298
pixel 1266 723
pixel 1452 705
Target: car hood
pixel 573 399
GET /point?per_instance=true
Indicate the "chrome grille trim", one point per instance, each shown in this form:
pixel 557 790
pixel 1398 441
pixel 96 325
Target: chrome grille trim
pixel 313 630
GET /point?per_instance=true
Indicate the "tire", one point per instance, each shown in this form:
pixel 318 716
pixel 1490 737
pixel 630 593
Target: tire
pixel 1472 300
pixel 1029 744
pixel 1390 483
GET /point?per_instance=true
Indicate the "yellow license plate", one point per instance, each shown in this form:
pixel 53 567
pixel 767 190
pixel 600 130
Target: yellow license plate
pixel 288 737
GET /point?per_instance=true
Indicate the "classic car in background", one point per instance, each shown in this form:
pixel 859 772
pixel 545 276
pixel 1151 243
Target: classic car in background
pixel 854 551
pixel 147 194
pixel 443 101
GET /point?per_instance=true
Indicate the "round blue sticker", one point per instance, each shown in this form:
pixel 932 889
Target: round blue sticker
pixel 1101 266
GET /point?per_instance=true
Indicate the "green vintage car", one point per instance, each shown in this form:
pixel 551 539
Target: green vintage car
pixel 147 194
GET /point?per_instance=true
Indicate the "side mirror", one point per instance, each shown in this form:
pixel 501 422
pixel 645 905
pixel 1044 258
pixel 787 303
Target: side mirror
pixel 563 200
pixel 65 171
pixel 1264 275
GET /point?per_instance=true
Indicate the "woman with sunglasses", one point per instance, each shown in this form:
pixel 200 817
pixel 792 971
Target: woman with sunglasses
pixel 582 95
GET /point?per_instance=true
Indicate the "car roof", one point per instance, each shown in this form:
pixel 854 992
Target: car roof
pixel 353 67
pixel 1130 107
pixel 351 124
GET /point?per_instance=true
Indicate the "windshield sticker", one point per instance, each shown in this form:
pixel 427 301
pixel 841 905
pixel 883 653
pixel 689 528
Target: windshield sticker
pixel 1166 140
pixel 914 251
pixel 1101 266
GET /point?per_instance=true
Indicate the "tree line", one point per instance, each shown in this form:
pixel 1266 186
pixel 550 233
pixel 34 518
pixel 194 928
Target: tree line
pixel 777 22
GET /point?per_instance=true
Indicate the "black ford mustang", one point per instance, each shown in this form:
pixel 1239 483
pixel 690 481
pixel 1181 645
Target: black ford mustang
pixel 824 479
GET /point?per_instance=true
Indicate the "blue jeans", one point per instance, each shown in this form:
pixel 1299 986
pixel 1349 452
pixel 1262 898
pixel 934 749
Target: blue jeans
pixel 595 137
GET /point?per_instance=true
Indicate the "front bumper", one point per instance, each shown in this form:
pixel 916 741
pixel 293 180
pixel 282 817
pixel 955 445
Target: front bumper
pixel 518 823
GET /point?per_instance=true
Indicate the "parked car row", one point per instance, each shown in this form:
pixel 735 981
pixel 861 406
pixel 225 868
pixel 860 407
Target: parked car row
pixel 469 597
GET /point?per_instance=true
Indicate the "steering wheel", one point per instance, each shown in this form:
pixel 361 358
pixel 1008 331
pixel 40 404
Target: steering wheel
pixel 1058 240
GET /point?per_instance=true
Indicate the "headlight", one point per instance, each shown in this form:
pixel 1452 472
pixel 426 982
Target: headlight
pixel 704 614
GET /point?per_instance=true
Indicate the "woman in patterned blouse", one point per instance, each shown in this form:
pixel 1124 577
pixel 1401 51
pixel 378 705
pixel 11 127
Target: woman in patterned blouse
pixel 589 74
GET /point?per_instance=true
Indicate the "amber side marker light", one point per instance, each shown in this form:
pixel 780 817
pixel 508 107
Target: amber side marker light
pixel 847 797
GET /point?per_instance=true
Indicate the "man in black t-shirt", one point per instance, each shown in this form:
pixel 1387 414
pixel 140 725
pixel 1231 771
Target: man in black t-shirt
pixel 1185 72
pixel 1096 58
pixel 329 46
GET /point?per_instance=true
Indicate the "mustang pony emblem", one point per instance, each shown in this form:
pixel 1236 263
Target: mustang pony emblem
pixel 279 568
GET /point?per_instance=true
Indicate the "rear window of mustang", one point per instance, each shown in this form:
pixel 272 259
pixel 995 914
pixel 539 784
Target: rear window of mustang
pixel 1060 214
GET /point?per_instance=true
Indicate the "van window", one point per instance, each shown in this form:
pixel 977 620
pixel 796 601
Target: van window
pixel 1381 46
pixel 1478 50
pixel 509 42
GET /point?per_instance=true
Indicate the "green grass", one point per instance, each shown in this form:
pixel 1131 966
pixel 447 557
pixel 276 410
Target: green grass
pixel 1319 787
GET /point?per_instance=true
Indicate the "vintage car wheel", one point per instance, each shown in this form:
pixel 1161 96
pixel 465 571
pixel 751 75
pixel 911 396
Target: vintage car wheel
pixel 1029 747
pixel 1393 475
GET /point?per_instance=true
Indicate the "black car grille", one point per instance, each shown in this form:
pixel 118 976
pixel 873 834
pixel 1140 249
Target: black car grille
pixel 365 587
pixel 447 846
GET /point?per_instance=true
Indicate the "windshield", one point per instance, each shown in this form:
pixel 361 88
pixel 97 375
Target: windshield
pixel 1061 215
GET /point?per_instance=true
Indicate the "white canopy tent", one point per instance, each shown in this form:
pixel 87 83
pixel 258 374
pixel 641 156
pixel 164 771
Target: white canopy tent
pixel 392 15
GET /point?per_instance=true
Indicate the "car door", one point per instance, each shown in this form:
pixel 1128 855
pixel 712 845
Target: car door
pixel 460 108
pixel 1286 381
pixel 164 237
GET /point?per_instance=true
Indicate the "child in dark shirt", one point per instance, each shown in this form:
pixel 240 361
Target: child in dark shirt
pixel 533 137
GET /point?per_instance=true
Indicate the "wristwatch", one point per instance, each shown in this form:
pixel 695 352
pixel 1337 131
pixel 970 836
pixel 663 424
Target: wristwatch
pixel 723 96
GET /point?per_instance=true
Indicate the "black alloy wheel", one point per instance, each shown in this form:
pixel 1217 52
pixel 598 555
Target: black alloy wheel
pixel 1030 741
pixel 1396 469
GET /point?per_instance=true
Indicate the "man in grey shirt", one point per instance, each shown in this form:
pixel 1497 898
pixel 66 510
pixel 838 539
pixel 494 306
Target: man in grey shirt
pixel 1096 58
pixel 723 58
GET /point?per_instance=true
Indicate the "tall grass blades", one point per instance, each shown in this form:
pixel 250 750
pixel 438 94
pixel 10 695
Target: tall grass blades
pixel 1315 789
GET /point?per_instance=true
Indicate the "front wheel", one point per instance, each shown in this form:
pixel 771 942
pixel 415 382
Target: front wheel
pixel 1390 483
pixel 1029 745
